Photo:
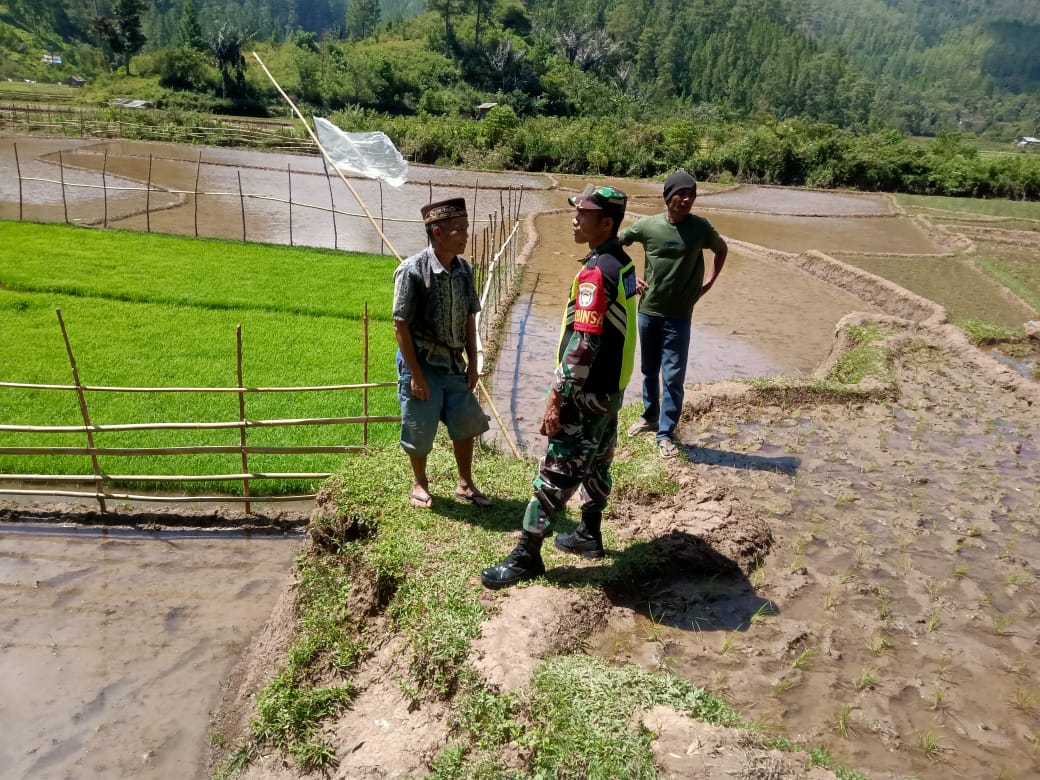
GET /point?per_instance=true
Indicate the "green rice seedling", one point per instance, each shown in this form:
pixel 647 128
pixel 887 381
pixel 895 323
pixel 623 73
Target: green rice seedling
pixel 758 577
pixel 804 659
pixel 905 565
pixel 884 606
pixel 1018 580
pixel 945 665
pixel 939 701
pixel 868 678
pixel 1002 624
pixel 762 614
pixel 844 723
pixel 961 570
pixel 931 745
pixel 934 588
pixel 878 644
pixel 974 532
pixel 1017 666
pixel 786 684
pixel 830 601
pixel 654 631
pixel 933 621
pixel 846 577
pixel 729 644
pixel 1023 700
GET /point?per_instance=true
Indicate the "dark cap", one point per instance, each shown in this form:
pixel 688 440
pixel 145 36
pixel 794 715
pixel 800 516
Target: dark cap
pixel 443 209
pixel 608 199
pixel 680 180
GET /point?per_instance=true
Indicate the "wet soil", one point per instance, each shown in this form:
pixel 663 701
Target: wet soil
pixel 116 642
pixel 855 573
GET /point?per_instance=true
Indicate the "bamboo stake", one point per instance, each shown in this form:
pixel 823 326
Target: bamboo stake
pixel 382 216
pixel 364 394
pixel 242 411
pixel 288 168
pixel 325 154
pixel 98 480
pixel 104 186
pixel 18 168
pixel 148 198
pixel 64 200
pixel 242 203
pixel 332 203
pixel 195 199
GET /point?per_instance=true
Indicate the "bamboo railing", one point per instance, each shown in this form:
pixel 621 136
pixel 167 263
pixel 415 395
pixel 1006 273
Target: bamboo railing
pixel 102 481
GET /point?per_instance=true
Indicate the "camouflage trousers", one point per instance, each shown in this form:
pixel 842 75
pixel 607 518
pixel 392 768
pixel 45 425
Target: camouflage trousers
pixel 579 456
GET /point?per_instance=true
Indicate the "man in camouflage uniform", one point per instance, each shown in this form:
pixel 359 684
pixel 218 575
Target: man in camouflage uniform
pixel 596 352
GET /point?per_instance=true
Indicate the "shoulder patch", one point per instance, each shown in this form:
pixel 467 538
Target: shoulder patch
pixel 590 304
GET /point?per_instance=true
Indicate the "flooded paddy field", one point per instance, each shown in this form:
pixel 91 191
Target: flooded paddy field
pixel 903 574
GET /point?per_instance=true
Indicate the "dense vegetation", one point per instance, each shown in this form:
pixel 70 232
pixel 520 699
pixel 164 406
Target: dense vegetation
pixel 820 93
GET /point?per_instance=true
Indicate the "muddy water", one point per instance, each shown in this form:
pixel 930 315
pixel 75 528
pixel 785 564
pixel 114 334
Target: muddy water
pixel 762 319
pixel 115 644
pixel 241 192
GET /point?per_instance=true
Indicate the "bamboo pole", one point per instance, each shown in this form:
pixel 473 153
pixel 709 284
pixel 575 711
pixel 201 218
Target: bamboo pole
pixel 332 203
pixel 61 171
pixel 148 198
pixel 157 499
pixel 195 199
pixel 166 477
pixel 242 202
pixel 18 168
pixel 382 216
pixel 104 186
pixel 200 426
pixel 112 389
pixel 98 481
pixel 242 405
pixel 371 219
pixel 202 449
pixel 364 394
pixel 325 154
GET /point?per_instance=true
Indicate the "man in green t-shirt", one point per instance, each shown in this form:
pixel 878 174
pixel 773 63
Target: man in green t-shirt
pixel 675 280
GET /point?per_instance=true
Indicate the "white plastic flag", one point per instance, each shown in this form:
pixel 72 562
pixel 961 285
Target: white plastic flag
pixel 371 155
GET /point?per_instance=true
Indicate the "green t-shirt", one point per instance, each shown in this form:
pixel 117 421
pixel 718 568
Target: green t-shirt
pixel 674 261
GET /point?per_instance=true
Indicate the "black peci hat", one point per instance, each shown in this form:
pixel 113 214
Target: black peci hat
pixel 443 209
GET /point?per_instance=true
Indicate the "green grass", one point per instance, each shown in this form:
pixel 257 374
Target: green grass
pixel 419 569
pixel 161 311
pixel 981 333
pixel 867 358
pixel 1011 209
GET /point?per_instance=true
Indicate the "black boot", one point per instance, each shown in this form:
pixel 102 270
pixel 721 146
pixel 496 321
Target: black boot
pixel 523 563
pixel 587 539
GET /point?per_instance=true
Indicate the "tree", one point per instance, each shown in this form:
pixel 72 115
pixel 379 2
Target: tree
pixel 227 46
pixel 189 32
pixel 120 35
pixel 362 18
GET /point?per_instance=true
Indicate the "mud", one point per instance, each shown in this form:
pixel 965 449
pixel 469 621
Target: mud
pixel 115 644
pixel 858 574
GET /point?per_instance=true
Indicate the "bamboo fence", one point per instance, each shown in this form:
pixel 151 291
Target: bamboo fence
pixel 102 481
pixel 494 248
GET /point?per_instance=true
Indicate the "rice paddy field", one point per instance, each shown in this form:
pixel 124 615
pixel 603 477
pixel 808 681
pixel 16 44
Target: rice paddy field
pixel 151 311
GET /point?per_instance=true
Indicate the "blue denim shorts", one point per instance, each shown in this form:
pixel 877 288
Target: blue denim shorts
pixel 451 402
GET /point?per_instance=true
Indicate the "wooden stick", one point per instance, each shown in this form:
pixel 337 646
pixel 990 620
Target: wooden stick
pixel 148 198
pixel 288 168
pixel 200 426
pixel 242 201
pixel 111 389
pixel 18 168
pixel 165 477
pixel 98 481
pixel 64 200
pixel 104 186
pixel 202 449
pixel 325 154
pixel 157 499
pixel 242 404
pixel 195 199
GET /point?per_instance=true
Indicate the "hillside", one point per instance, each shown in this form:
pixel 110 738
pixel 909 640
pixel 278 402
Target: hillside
pixel 919 66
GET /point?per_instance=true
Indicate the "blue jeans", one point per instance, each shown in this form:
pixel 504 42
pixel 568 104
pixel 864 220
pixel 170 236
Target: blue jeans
pixel 664 345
